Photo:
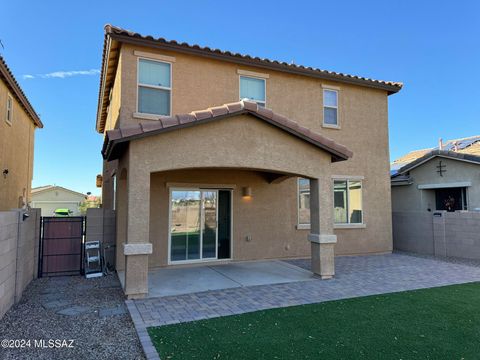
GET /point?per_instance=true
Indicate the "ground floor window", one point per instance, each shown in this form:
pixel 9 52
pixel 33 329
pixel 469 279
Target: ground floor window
pixel 303 201
pixel 451 199
pixel 347 201
pixel 200 224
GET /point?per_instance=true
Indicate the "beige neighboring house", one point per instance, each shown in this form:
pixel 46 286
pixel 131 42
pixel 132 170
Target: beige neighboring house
pixel 447 176
pixel 212 156
pixel 18 121
pixel 51 197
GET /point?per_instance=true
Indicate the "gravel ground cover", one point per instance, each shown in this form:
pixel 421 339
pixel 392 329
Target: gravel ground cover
pixel 91 312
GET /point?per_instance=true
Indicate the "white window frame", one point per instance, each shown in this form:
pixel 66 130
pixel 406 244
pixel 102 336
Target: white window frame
pixel 301 226
pixel 348 224
pixel 9 110
pixel 201 260
pixel 264 103
pixel 337 91
pixel 138 113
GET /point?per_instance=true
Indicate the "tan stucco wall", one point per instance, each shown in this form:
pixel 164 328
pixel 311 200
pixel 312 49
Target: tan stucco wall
pixel 199 83
pixel 116 93
pixel 16 154
pixel 410 198
pixel 269 217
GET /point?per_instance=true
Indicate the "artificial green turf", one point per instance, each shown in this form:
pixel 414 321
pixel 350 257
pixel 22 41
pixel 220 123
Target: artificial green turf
pixel 438 323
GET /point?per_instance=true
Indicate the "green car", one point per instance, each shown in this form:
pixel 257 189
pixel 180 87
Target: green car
pixel 63 212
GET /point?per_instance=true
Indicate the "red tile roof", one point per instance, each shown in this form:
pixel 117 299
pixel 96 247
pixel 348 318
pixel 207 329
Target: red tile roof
pixel 116 140
pixel 7 76
pixel 121 35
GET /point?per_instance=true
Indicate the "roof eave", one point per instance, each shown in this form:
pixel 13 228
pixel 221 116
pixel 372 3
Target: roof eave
pixel 112 149
pixel 391 89
pixel 441 153
pixel 196 50
pixel 12 83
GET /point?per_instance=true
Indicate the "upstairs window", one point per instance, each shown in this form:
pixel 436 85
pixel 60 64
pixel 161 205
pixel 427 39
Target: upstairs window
pixel 154 87
pixel 330 107
pixel 9 115
pixel 347 201
pixel 253 89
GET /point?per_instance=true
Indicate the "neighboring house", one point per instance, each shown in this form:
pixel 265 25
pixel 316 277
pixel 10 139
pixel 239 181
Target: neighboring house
pixel 215 156
pixel 18 121
pixel 51 197
pixel 443 178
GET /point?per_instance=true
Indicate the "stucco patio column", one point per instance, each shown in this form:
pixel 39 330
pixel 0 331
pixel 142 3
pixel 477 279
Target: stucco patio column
pixel 321 234
pixel 137 248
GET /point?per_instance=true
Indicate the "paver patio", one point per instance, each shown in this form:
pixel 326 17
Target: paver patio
pixel 355 276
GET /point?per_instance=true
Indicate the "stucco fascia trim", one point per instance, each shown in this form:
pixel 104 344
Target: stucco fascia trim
pixel 143 116
pixel 253 73
pixel 322 238
pixel 150 55
pixel 348 177
pixel 137 249
pixel 349 226
pixel 332 87
pixel 330 126
pixel 445 185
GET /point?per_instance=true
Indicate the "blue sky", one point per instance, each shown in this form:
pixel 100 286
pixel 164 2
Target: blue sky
pixel 431 46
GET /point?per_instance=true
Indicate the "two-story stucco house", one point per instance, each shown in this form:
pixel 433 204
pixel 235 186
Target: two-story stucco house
pixel 212 156
pixel 18 121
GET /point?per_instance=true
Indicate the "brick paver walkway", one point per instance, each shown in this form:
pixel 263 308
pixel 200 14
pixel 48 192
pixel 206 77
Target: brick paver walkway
pixel 355 276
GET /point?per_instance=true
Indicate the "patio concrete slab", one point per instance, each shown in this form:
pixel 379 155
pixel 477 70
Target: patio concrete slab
pixel 186 280
pixel 263 272
pixel 176 281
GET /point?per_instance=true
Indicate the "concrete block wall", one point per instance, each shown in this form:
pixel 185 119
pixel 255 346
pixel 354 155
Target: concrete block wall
pixel 19 241
pixel 101 226
pixel 413 231
pixel 8 258
pixel 27 250
pixel 462 234
pixel 441 233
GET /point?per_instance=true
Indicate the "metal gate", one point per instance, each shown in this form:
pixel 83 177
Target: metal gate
pixel 61 246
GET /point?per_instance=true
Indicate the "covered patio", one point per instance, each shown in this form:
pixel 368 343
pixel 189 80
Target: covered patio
pixel 200 278
pixel 185 163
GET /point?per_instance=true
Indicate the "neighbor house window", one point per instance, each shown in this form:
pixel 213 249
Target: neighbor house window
pixel 347 201
pixel 253 89
pixel 154 87
pixel 9 115
pixel 330 107
pixel 303 201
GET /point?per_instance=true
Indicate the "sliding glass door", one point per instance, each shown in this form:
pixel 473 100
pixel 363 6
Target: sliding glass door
pixel 193 225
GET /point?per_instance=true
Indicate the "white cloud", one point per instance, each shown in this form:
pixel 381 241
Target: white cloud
pixel 63 74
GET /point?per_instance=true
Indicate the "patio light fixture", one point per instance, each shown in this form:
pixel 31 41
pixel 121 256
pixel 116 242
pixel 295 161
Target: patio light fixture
pixel 247 192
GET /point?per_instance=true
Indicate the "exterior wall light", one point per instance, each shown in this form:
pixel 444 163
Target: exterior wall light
pixel 247 192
